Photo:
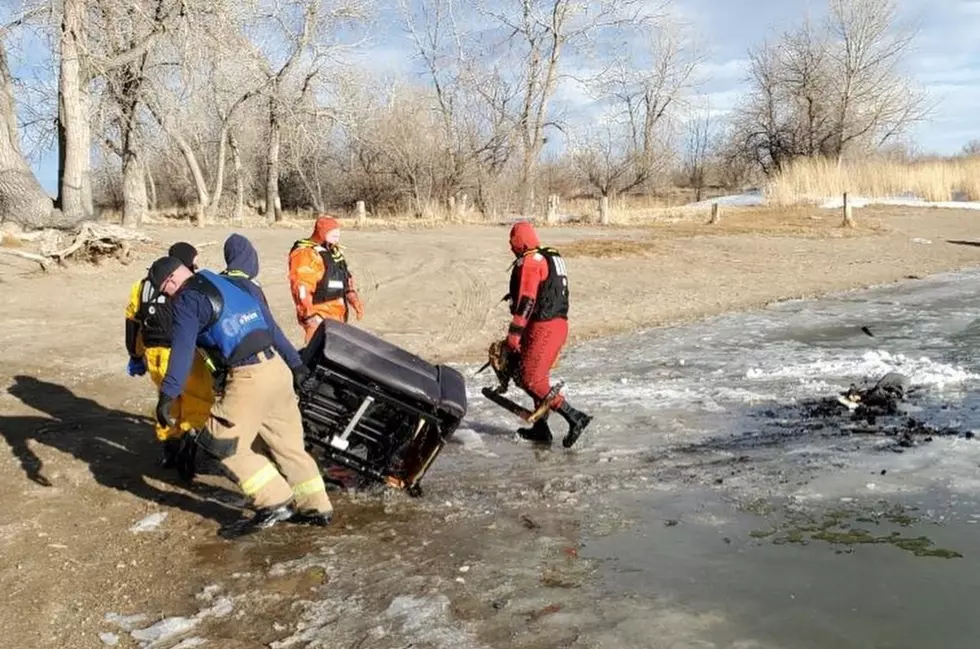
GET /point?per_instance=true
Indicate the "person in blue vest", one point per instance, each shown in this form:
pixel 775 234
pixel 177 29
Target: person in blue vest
pixel 261 368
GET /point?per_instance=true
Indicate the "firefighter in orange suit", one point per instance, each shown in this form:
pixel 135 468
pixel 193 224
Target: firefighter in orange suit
pixel 319 279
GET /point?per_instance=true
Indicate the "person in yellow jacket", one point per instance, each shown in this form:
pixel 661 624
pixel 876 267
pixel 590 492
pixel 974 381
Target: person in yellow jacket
pixel 148 330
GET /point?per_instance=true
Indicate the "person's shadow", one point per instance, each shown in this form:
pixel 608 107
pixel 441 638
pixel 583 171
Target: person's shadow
pixel 119 447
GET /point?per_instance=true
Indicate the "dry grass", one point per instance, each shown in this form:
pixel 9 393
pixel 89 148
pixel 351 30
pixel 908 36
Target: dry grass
pixel 802 222
pixel 935 180
pixel 609 248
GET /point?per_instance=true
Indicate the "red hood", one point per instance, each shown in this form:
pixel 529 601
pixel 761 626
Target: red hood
pixel 523 237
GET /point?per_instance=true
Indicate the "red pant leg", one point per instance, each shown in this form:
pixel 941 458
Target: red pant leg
pixel 540 346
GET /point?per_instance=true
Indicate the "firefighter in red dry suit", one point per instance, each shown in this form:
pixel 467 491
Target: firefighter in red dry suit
pixel 539 328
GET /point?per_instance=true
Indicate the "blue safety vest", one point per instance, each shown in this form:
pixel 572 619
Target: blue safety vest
pixel 237 328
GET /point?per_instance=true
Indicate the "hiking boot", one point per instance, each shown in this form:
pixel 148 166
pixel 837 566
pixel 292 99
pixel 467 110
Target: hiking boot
pixel 263 519
pixel 577 421
pixel 539 433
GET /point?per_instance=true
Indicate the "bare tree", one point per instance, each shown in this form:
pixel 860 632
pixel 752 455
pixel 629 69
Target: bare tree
pixel 198 105
pixel 699 137
pixel 631 145
pixel 543 33
pixel 306 30
pixel 874 100
pixel 829 91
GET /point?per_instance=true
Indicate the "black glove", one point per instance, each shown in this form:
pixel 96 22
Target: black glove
pixel 300 374
pixel 164 418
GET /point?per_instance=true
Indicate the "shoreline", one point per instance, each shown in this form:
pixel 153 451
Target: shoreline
pixel 474 356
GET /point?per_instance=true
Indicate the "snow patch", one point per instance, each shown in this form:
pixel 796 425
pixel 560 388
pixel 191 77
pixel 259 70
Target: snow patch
pixel 748 199
pixel 910 201
pixel 150 523
pixel 921 371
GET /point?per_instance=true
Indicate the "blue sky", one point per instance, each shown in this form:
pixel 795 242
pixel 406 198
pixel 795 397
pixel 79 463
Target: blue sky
pixel 946 59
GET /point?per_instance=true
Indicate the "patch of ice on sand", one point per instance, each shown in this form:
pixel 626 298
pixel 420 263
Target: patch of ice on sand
pixel 125 622
pixel 190 643
pixel 168 629
pixel 426 620
pixel 922 371
pixel 150 523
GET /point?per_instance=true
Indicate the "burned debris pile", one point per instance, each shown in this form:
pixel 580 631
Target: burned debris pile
pixel 874 409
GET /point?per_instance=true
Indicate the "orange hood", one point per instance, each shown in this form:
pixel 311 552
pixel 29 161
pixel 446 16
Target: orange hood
pixel 326 230
pixel 523 237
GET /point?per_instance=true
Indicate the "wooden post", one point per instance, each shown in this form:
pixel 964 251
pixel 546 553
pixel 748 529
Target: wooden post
pixel 452 208
pixel 715 214
pixel 553 202
pixel 848 214
pixel 361 212
pixel 604 210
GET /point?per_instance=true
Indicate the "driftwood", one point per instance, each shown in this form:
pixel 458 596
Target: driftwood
pixel 44 261
pixel 88 242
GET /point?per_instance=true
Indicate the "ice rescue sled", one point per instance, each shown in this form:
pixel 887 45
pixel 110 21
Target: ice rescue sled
pixel 375 408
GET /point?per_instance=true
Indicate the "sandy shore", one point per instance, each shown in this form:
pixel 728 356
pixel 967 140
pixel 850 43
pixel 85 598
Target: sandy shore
pixel 437 291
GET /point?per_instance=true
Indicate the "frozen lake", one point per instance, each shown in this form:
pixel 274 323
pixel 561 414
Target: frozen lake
pixel 721 498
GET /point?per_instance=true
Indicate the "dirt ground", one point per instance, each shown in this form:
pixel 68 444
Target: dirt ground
pixel 76 461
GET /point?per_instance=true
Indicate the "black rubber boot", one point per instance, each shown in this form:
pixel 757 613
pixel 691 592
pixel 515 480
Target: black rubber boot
pixel 539 432
pixel 577 422
pixel 168 454
pixel 316 519
pixel 263 519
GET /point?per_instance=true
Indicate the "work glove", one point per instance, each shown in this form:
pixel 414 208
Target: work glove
pixel 355 301
pixel 300 374
pixel 136 367
pixel 164 418
pixel 314 319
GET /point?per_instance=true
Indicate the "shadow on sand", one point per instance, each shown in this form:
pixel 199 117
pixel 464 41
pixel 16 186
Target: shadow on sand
pixel 118 447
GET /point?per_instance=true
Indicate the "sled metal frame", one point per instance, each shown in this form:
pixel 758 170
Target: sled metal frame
pixel 320 422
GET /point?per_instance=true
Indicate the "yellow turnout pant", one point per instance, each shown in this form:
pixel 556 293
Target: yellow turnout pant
pixel 259 400
pixel 192 408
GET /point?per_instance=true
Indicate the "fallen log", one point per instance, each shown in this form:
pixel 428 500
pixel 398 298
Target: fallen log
pixel 43 261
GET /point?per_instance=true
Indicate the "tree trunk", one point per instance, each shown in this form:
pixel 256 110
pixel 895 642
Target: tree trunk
pixel 203 200
pixel 527 183
pixel 74 133
pixel 152 187
pixel 273 206
pixel 239 180
pixel 134 190
pixel 22 199
pixel 219 178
